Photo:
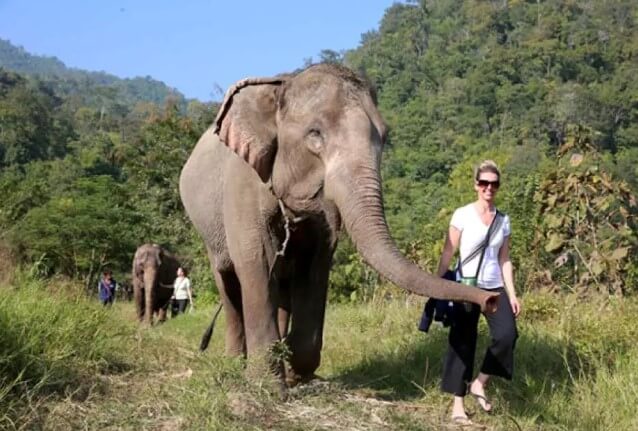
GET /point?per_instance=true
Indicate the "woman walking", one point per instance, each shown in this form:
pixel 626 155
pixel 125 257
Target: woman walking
pixel 182 292
pixel 482 235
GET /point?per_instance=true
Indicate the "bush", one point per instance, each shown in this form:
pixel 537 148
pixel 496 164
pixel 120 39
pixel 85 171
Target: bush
pixel 586 221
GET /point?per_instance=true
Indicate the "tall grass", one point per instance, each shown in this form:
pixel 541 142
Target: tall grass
pixel 53 343
pixel 575 370
pixel 68 363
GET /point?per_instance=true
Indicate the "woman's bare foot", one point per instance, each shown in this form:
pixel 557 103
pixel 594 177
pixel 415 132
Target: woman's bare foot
pixel 458 410
pixel 477 390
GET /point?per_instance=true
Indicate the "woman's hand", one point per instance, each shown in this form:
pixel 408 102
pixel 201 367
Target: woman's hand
pixel 516 306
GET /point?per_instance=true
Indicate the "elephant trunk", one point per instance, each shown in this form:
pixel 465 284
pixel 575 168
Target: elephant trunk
pixel 150 279
pixel 357 194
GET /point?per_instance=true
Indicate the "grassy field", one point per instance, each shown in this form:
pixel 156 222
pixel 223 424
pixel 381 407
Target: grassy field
pixel 67 363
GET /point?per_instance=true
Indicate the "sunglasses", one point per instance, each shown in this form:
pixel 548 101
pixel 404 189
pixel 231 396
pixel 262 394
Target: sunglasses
pixel 484 183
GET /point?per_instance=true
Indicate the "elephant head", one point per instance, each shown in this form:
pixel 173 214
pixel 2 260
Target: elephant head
pixel 317 137
pixel 154 270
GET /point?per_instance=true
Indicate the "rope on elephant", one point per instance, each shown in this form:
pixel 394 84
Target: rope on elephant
pixel 287 221
pixel 286 227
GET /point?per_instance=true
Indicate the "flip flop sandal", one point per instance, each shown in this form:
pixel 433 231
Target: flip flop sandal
pixel 480 398
pixel 462 421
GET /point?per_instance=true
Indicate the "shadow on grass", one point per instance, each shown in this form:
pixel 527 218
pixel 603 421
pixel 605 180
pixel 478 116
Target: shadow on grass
pixel 542 364
pixel 400 374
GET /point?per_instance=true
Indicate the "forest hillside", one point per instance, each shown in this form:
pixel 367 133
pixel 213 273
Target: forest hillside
pixel 80 83
pixel 544 88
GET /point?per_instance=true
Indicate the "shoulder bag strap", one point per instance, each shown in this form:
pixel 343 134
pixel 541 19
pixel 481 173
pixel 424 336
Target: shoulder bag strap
pixel 494 226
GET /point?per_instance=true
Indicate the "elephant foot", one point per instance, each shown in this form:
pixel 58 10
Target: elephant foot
pixel 282 391
pixel 146 324
pixel 293 379
pixel 268 380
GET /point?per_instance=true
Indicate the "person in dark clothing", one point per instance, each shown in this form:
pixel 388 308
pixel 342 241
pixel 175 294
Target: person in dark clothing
pixel 106 288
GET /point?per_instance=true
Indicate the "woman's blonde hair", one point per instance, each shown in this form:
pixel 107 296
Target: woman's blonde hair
pixel 487 166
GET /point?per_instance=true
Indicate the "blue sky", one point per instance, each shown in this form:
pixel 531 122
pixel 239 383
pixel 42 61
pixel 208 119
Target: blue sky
pixel 192 45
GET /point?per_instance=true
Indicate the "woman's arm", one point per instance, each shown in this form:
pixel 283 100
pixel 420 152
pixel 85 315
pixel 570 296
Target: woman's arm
pixel 507 270
pixel 452 241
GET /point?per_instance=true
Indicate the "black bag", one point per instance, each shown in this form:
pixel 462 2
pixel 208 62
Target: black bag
pixel 438 310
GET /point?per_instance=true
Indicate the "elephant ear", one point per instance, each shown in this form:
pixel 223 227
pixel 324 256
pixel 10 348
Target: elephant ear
pixel 159 257
pixel 246 122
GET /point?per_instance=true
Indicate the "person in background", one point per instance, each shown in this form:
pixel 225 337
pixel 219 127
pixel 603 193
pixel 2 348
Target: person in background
pixel 106 288
pixel 468 228
pixel 182 292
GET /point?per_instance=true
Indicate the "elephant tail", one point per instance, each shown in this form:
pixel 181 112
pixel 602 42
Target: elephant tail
pixel 209 332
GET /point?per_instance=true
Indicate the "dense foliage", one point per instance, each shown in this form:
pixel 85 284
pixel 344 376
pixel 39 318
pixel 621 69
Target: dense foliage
pixel 459 82
pixel 90 163
pixel 85 184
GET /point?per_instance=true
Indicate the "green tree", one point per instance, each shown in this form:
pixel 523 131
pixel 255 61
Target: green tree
pixel 29 130
pixel 82 230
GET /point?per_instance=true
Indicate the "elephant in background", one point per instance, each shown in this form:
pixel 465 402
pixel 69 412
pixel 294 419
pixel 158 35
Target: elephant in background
pixel 154 272
pixel 287 162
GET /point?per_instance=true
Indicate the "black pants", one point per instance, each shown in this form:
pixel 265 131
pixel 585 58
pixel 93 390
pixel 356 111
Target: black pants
pixel 107 301
pixel 181 306
pixel 458 367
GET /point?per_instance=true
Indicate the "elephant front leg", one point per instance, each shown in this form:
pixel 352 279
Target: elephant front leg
pixel 162 313
pixel 260 316
pixel 138 292
pixel 308 294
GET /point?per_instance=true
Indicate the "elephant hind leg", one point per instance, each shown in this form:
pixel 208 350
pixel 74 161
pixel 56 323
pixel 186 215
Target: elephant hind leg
pixel 230 293
pixel 283 313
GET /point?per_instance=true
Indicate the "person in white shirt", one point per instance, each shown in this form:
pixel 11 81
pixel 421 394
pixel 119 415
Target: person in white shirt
pixel 468 228
pixel 182 292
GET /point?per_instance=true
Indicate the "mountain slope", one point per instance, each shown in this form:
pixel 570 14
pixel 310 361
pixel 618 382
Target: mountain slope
pixel 128 90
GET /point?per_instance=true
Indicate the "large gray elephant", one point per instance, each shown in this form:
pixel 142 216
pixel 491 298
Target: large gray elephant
pixel 154 272
pixel 287 161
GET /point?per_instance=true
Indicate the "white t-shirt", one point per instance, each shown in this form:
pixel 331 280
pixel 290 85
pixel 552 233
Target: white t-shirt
pixel 473 231
pixel 182 284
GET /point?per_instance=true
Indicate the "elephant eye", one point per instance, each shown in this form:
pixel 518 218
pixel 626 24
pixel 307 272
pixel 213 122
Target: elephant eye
pixel 314 140
pixel 314 133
